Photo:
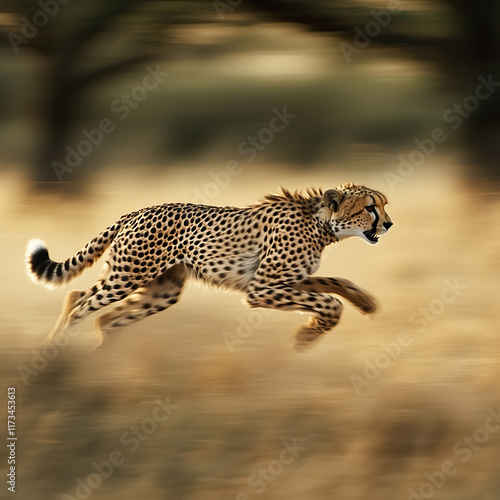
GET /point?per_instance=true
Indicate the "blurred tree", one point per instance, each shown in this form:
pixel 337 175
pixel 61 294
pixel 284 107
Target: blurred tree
pixel 477 52
pixel 86 41
pixel 82 43
pixel 465 46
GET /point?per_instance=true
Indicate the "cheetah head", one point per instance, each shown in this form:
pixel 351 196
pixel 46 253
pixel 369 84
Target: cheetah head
pixel 357 211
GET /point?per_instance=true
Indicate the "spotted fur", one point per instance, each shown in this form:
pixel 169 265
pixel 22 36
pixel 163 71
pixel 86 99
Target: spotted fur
pixel 267 251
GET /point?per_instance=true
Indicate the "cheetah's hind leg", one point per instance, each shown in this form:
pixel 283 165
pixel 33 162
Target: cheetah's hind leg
pixel 68 305
pixel 153 298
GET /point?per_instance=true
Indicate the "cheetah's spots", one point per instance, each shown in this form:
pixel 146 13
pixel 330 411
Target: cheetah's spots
pixel 268 251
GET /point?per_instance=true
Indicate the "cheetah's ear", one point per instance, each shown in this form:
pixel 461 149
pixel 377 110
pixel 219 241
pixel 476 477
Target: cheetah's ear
pixel 332 199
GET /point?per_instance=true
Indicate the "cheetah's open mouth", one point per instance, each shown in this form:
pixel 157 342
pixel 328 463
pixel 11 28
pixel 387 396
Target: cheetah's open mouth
pixel 371 236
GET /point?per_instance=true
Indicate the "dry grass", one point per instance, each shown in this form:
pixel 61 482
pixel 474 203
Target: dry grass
pixel 236 408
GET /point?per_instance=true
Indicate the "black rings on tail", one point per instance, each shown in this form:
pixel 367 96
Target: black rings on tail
pixel 42 269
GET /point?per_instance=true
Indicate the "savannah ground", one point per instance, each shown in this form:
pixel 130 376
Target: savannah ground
pixel 207 401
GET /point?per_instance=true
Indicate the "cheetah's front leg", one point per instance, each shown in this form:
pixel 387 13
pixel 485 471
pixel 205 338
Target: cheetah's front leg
pixel 326 309
pixel 343 287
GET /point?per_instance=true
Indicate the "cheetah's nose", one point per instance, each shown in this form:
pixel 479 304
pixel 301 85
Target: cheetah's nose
pixel 387 225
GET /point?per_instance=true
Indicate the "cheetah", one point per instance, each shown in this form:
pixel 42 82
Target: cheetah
pixel 269 251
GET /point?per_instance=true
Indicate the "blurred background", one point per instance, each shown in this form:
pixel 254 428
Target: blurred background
pixel 109 106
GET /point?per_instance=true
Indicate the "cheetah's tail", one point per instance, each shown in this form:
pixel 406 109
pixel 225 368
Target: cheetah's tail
pixel 42 269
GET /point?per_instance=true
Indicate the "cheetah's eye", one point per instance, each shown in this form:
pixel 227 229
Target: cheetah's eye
pixel 370 208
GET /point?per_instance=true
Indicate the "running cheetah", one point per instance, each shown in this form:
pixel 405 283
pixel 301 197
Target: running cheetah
pixel 268 251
